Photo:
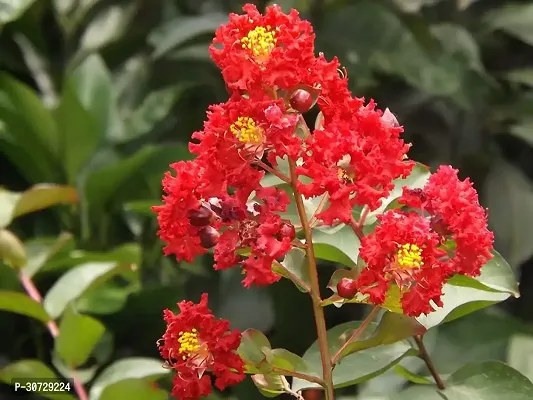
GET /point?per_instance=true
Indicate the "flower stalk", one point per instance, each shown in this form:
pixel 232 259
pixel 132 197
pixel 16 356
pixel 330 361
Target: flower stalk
pixel 424 355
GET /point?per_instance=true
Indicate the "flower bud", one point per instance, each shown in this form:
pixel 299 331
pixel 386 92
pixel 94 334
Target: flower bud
pixel 301 100
pixel 201 217
pixel 286 230
pixel 346 288
pixel 208 237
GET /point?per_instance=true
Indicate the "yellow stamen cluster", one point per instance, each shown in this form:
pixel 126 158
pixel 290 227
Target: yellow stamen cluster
pixel 246 130
pixel 345 176
pixel 260 41
pixel 410 256
pixel 188 343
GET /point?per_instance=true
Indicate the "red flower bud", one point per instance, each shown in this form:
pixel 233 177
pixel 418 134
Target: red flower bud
pixel 346 288
pixel 301 100
pixel 286 230
pixel 200 217
pixel 208 237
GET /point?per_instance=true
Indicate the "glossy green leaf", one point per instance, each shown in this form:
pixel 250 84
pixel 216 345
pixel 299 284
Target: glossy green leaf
pixel 514 19
pixel 251 349
pixel 102 185
pixel 11 10
pixel 42 250
pixel 286 363
pixel 411 376
pixel 357 367
pixel 268 385
pixel 92 83
pixel 127 368
pixel 391 329
pixel 20 303
pixel 105 299
pixel 497 274
pixel 176 33
pixel 520 354
pixel 12 250
pixel 78 335
pixel 338 244
pixel 416 180
pixel 79 130
pixel 489 380
pixel 133 389
pixel 38 197
pixel 31 369
pixel 74 283
pixel 294 267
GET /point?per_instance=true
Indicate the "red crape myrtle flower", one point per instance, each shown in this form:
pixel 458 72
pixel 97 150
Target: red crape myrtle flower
pixel 185 195
pixel 456 213
pixel 239 131
pixel 255 50
pixel 354 158
pixel 262 232
pixel 196 345
pixel 403 250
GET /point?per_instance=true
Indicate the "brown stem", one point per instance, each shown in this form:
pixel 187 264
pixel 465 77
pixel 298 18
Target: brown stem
pixel 424 355
pixel 305 377
pixel 357 226
pixel 32 291
pixel 318 312
pixel 273 171
pixel 318 209
pixel 358 332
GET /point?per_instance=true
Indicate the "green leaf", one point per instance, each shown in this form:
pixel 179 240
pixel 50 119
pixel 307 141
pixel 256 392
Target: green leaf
pixel 391 329
pixel 127 368
pixel 80 133
pixel 94 88
pixel 514 19
pixel 78 336
pixel 286 363
pixel 497 274
pixel 521 76
pixel 520 354
pixel 104 300
pixel 40 251
pixel 411 376
pixel 12 250
pixel 76 282
pixel 268 385
pixel 357 367
pixel 489 380
pixel 102 185
pixel 251 349
pixel 11 10
pixel 31 369
pixel 523 130
pixel 38 197
pixel 416 180
pixel 133 389
pixel 177 32
pixel 294 267
pixel 20 303
pixel 338 244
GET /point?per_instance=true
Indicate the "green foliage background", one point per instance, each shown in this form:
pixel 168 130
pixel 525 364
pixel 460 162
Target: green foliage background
pixel 101 95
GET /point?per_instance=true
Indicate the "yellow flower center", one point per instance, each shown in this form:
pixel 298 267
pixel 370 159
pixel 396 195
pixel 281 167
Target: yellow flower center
pixel 246 131
pixel 410 256
pixel 188 343
pixel 260 41
pixel 345 176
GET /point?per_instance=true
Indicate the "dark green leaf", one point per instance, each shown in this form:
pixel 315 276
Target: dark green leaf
pixel 337 244
pixel 74 283
pixel 78 335
pixel 133 389
pixel 12 250
pixel 177 32
pixel 21 304
pixel 31 369
pixel 126 368
pixel 294 267
pixel 80 133
pixel 514 19
pixel 38 197
pixel 522 76
pixel 411 376
pixel 489 380
pixel 523 130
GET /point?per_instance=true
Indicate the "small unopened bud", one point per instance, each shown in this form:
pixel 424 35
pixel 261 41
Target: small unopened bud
pixel 346 288
pixel 208 237
pixel 390 118
pixel 201 217
pixel 301 100
pixel 286 230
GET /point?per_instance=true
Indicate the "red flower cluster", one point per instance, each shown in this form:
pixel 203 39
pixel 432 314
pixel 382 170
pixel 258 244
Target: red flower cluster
pixel 412 250
pixel 196 346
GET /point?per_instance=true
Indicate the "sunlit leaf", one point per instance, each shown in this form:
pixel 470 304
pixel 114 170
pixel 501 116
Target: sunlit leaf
pixel 12 250
pixel 20 303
